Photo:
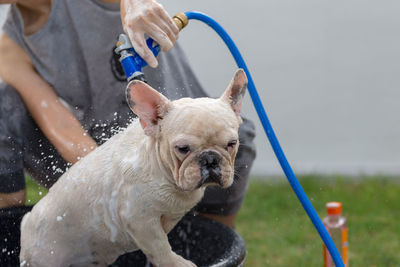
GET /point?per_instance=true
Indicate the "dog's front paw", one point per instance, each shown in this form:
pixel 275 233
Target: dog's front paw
pixel 177 261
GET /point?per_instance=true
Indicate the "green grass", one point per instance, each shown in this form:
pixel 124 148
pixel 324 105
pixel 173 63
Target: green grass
pixel 278 232
pixel 34 192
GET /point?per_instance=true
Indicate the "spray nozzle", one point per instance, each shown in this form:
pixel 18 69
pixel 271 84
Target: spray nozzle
pixel 131 62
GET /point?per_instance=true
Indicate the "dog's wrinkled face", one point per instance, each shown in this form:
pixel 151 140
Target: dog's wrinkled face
pixel 197 138
pixel 200 141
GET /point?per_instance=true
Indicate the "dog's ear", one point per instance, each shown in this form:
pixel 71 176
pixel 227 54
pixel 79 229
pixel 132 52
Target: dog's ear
pixel 234 94
pixel 148 104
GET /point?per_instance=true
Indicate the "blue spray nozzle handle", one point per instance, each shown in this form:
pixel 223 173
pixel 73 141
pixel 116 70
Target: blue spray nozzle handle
pixel 154 48
pixel 131 61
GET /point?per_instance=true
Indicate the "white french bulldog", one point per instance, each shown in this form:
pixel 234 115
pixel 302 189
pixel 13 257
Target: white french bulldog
pixel 131 191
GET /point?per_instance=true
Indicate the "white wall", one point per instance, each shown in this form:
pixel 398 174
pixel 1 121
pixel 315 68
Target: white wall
pixel 328 73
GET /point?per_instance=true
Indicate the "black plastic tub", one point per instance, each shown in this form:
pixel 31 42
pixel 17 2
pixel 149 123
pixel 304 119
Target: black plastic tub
pixel 203 241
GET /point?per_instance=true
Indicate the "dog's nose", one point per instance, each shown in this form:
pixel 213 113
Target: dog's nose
pixel 209 159
pixel 210 168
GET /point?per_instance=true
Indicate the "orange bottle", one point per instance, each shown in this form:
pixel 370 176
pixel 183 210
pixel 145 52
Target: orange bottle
pixel 335 224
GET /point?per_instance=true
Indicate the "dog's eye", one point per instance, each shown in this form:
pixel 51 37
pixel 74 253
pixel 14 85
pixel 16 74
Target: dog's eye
pixel 231 145
pixel 183 149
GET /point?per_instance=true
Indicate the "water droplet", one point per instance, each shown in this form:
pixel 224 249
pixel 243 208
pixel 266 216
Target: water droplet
pixel 43 104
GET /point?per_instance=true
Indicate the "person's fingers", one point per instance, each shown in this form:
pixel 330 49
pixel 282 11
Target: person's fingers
pixel 167 30
pixel 162 13
pixel 159 36
pixel 149 18
pixel 139 44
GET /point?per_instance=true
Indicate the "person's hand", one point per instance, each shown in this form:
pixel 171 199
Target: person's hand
pixel 140 17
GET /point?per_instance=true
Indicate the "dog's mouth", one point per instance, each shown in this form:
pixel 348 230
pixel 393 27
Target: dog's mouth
pixel 210 177
pixel 210 168
pixel 207 168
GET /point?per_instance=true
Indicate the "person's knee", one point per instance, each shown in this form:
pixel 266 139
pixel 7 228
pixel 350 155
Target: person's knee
pixel 12 199
pixel 13 114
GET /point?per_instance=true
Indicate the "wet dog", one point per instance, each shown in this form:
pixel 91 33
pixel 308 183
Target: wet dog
pixel 132 190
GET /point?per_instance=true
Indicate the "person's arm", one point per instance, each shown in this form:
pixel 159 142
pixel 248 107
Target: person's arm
pixel 58 123
pixel 140 17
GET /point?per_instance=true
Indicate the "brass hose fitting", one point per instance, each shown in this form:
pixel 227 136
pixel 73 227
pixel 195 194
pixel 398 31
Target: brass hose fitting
pixel 180 20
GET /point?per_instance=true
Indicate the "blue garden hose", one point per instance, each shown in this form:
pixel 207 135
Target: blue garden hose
pixel 301 195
